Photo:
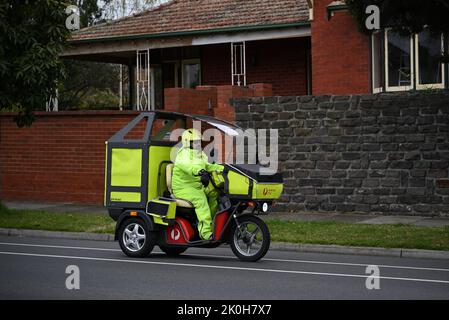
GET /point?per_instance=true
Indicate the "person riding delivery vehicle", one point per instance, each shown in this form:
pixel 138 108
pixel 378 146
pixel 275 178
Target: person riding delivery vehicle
pixel 190 180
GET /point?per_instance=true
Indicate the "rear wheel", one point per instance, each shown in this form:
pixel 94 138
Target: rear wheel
pixel 172 251
pixel 250 240
pixel 135 239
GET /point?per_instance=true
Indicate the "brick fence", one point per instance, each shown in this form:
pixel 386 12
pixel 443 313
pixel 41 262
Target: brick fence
pixel 212 100
pixel 384 153
pixel 60 158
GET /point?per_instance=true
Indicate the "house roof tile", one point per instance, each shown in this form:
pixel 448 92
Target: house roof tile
pixel 199 15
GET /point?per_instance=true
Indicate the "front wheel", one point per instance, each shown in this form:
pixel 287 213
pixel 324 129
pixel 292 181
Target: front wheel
pixel 135 239
pixel 250 240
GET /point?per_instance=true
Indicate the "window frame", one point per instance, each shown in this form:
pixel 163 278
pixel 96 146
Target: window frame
pixel 419 86
pixel 389 88
pixel 381 67
pixel 190 61
pixel 175 71
pixel 414 66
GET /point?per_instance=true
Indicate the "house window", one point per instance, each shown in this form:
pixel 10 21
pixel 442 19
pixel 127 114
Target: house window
pixel 430 71
pixel 191 73
pixel 183 73
pixel 406 62
pixel 399 63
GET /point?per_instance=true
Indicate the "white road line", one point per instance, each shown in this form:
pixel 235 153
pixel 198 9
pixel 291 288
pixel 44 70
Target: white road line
pixel 230 257
pixel 219 267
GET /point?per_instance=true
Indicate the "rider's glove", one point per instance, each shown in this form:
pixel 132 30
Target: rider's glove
pixel 205 177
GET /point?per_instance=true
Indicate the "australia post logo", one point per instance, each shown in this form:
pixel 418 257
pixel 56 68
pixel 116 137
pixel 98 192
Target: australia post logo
pixel 268 191
pixel 175 234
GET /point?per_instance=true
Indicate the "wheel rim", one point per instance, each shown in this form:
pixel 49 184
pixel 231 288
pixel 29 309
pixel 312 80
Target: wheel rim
pixel 248 239
pixel 134 237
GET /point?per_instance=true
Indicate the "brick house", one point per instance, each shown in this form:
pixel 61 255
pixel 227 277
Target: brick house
pixel 202 43
pixel 298 47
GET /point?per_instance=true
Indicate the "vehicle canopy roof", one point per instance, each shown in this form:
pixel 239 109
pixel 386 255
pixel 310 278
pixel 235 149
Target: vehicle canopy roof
pixel 226 127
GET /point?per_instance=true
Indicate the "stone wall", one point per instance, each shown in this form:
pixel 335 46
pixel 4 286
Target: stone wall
pixel 386 153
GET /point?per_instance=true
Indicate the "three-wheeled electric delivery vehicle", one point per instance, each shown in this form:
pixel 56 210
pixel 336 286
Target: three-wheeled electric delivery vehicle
pixel 139 197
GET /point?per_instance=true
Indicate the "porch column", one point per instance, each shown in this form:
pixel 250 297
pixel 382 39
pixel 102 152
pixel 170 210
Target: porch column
pixel 238 63
pixel 446 54
pixel 52 103
pixel 143 79
pixel 132 86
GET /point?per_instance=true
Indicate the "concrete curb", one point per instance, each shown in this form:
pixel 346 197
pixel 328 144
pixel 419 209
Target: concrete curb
pixel 57 234
pixel 370 251
pixel 283 246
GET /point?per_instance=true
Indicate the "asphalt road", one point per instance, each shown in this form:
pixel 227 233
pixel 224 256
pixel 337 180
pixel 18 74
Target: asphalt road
pixel 34 268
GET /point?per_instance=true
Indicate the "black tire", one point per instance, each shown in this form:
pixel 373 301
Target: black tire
pixel 172 251
pixel 144 247
pixel 264 238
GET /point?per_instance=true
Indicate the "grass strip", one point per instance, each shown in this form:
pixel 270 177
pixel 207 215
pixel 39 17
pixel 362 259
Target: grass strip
pixel 312 232
pixel 363 235
pixel 54 221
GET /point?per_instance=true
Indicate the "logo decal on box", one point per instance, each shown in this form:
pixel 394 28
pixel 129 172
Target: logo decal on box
pixel 175 234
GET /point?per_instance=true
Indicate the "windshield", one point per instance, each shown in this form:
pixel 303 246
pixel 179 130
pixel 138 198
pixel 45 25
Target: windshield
pixel 226 127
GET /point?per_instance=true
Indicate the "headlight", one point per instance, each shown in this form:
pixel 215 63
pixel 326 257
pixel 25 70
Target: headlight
pixel 264 207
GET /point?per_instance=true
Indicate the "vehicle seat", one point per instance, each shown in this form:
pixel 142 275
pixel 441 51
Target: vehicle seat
pixel 179 202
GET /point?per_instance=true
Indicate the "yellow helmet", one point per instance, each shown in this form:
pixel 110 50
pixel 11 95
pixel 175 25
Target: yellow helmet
pixel 190 135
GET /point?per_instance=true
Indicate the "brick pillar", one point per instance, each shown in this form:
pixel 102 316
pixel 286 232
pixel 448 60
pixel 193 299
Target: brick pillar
pixel 190 101
pixel 262 89
pixel 340 53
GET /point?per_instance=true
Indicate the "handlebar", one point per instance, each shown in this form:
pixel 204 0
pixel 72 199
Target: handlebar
pixel 212 180
pixel 216 178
